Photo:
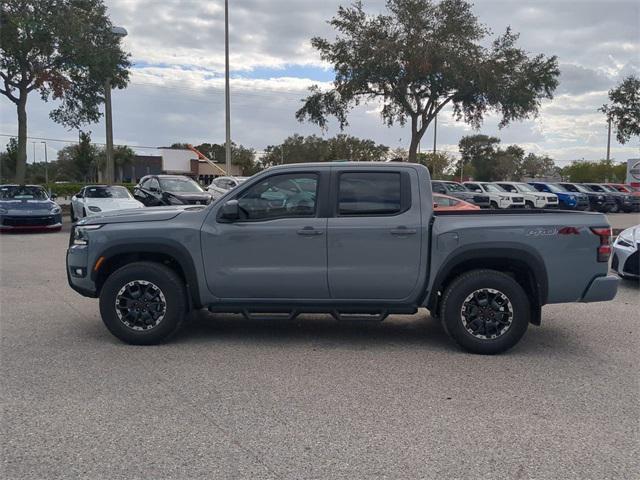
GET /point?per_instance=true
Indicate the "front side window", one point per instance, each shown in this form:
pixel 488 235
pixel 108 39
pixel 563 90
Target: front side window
pixel 473 187
pixel 280 196
pixel 509 188
pixel 455 187
pixel 489 187
pixel 369 193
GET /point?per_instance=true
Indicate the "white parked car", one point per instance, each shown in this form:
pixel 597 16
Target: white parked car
pixel 222 185
pixel 95 199
pixel 626 251
pixel 498 196
pixel 532 197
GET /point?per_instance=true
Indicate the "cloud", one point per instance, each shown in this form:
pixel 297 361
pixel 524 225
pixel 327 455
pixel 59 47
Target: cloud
pixel 176 93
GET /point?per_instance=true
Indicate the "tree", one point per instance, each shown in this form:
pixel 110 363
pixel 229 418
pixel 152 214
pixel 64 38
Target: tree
pixel 79 162
pixel 65 50
pixel 536 166
pixel 592 171
pixel 507 163
pixel 298 149
pixel 624 109
pixel 420 57
pixel 478 152
pixel 8 160
pixel 439 163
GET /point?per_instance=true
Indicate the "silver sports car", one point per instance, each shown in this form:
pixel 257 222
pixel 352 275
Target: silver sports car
pixel 626 261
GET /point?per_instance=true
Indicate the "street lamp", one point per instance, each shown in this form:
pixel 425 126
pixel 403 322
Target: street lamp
pixel 109 177
pixel 227 104
pixel 46 165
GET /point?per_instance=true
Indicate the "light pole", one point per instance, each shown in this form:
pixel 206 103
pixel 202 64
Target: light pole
pixel 227 105
pixel 435 132
pixel 46 165
pixel 609 141
pixel 109 177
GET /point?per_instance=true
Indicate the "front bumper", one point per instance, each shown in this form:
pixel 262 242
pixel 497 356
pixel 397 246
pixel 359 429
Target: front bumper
pixel 601 289
pixel 31 222
pixel 78 271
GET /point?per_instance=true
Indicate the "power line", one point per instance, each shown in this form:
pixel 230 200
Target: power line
pixel 76 141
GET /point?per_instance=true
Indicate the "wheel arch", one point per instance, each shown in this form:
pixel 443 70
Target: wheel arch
pixel 526 266
pixel 173 256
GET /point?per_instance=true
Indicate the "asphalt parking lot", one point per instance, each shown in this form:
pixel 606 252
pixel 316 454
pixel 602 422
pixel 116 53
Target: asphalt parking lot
pixel 231 398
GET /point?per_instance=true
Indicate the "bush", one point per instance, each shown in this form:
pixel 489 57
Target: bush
pixel 70 189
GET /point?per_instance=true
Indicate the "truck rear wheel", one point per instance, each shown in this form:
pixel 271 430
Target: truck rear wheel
pixel 485 311
pixel 143 303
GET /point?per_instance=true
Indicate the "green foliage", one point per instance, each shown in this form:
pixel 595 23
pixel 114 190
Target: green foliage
pixel 477 156
pixel 595 171
pixel 537 166
pixel 301 149
pixel 65 51
pixel 440 164
pixel 624 109
pixel 421 56
pixel 8 160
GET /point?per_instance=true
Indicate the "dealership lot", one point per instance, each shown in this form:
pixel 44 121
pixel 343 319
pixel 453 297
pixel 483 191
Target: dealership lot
pixel 231 398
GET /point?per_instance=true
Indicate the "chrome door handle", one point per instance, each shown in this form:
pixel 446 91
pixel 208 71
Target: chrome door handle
pixel 309 231
pixel 402 230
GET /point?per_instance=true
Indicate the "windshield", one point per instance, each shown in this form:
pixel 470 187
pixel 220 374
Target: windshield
pixel 184 185
pixel 23 193
pixel 556 188
pixel 489 187
pixel 610 189
pixel 583 189
pixel 596 188
pixel 523 187
pixel 106 192
pixel 455 187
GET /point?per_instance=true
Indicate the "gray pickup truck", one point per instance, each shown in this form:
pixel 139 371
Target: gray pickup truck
pixel 354 240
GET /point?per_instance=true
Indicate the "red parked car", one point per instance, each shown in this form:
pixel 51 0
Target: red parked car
pixel 624 188
pixel 446 203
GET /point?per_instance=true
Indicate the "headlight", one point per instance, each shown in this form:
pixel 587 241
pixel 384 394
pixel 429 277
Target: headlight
pixel 93 208
pixel 81 234
pixel 3 211
pixel 539 198
pixel 56 209
pixel 600 197
pixel 502 197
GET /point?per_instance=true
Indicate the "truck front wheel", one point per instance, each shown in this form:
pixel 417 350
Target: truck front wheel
pixel 143 303
pixel 485 311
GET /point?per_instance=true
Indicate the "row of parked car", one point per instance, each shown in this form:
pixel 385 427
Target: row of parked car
pixel 606 198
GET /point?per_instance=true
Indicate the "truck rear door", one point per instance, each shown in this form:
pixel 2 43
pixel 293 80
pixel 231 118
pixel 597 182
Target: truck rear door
pixel 374 233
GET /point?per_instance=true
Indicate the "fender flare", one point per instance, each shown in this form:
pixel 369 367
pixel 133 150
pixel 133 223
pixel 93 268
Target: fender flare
pixel 167 247
pixel 494 250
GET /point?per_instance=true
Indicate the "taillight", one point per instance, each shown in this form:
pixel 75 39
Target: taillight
pixel 604 250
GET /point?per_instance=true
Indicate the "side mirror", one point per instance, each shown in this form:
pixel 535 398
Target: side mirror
pixel 54 196
pixel 230 211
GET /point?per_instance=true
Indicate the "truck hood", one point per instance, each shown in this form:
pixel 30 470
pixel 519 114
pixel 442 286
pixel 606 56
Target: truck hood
pixel 149 214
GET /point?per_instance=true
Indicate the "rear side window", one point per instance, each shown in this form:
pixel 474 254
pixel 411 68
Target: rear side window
pixel 370 193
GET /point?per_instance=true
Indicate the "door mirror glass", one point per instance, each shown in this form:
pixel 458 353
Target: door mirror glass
pixel 230 211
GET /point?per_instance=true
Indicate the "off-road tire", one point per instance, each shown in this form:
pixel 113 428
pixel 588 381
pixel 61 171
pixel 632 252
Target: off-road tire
pixel 455 296
pixel 165 279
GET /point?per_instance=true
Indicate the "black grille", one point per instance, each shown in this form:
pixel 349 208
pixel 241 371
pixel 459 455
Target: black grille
pixel 29 221
pixel 632 265
pixel 518 199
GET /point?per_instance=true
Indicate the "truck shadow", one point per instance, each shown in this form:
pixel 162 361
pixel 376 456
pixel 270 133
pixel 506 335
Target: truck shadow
pixel 419 330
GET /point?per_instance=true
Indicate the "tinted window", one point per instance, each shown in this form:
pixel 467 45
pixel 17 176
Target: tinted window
pixel 23 193
pixel 278 196
pixel 438 187
pixel 508 188
pixel 180 185
pixel 369 193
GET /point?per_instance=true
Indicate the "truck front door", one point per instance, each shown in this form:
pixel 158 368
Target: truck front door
pixel 277 249
pixel 374 241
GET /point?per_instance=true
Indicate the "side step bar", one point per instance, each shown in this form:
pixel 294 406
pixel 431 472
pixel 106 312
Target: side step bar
pixel 293 314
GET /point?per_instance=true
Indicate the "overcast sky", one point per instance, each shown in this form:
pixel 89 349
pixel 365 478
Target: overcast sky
pixel 176 93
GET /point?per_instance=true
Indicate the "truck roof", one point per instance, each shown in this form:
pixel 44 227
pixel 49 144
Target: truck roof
pixel 347 164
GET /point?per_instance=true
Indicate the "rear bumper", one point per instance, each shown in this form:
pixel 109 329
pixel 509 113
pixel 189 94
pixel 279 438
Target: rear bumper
pixel 601 289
